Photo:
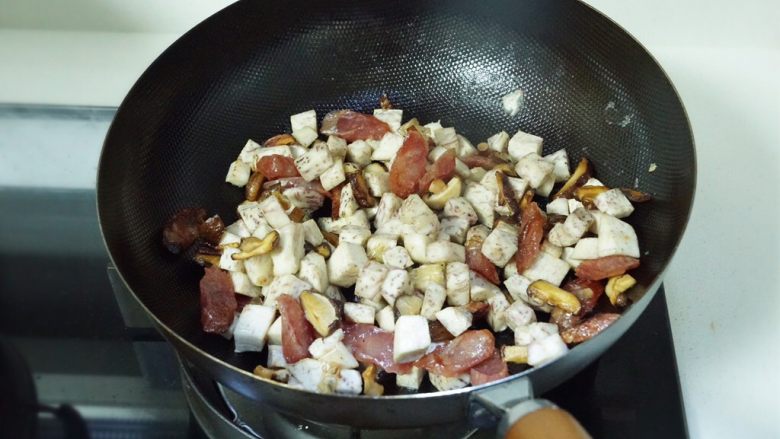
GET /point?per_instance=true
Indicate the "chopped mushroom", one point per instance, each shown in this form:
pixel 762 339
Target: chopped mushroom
pixel 252 246
pixel 515 354
pixel 370 386
pixel 589 328
pixel 616 286
pixel 321 312
pixel 438 199
pixel 554 296
pixel 580 175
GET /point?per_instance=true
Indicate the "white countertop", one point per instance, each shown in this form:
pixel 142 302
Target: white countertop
pixel 723 288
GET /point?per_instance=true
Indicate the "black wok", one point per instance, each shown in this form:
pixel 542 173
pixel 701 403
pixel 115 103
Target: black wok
pixel 589 87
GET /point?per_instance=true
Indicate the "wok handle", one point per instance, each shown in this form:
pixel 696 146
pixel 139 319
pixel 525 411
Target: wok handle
pixel 540 419
pixel 519 415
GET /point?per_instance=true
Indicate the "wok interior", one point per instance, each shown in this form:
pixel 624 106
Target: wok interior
pixel 588 88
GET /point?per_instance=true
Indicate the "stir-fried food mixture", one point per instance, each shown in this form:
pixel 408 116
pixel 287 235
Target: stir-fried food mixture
pixel 373 256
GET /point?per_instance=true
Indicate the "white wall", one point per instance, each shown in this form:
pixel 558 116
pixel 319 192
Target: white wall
pixel 147 16
pixel 90 51
pixel 87 52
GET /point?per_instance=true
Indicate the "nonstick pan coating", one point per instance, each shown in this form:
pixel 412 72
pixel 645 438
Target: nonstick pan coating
pixel 589 88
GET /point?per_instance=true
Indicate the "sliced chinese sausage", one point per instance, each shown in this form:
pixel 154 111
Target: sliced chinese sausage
pixel 351 125
pixel 589 328
pixel 370 344
pixel 242 301
pixel 277 166
pixel 460 354
pixel 432 360
pixel 409 165
pixel 297 333
pixel 529 243
pixel 492 369
pixel 443 168
pixel 478 262
pixel 217 301
pixel 606 267
pixel 182 229
pixel 563 319
pixel 587 291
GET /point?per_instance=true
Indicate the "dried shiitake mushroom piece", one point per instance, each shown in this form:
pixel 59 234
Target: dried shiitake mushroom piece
pixel 351 168
pixel 283 201
pixel 506 169
pixel 581 174
pixel 370 386
pixel 323 250
pixel 263 372
pixel 587 194
pixel 360 190
pixel 332 238
pixel 502 158
pixel 280 375
pixel 554 296
pixel 552 220
pixel 528 196
pixel 438 332
pixel 515 354
pixel 254 186
pixel 413 125
pixel 384 103
pixel 636 196
pixel 321 312
pixel 439 199
pixel 507 198
pixel 253 246
pixel 437 186
pixel 297 215
pixel 618 285
pixel 207 255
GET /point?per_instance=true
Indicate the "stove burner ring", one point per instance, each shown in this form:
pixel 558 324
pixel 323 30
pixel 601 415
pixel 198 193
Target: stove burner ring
pixel 224 413
pixel 235 418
